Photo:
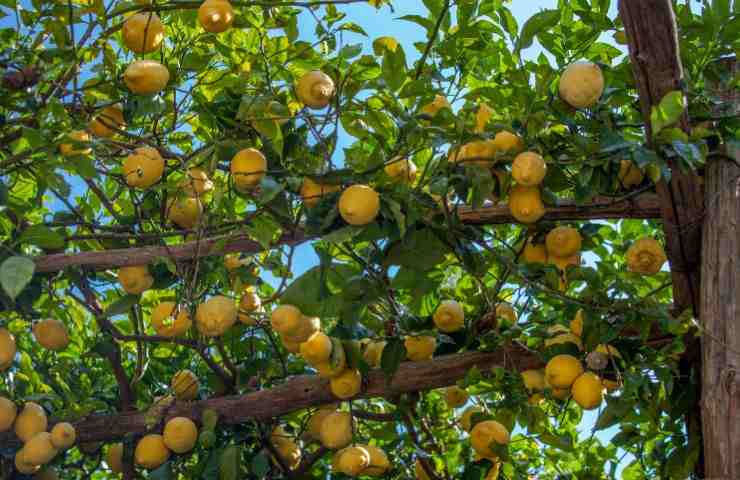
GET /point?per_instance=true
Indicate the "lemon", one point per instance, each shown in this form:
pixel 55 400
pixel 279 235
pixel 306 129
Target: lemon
pixel 30 421
pixel 645 256
pixel 466 419
pixel 347 384
pixel 576 325
pixel 629 174
pixel 482 117
pixel 379 463
pixel 63 435
pixel 317 349
pixel 563 242
pixel 146 77
pixel 562 370
pixel 563 262
pixel 248 303
pixel 7 349
pixel 374 353
pixel 185 212
pixel 333 367
pixel 449 316
pixel 353 460
pixel 420 348
pixel 38 450
pixel 507 142
pixel 107 121
pixel 306 327
pixel 478 152
pixel 180 434
pixel 114 457
pixel 313 428
pixel 196 183
pixel 525 204
pixel 216 16
pixel 529 169
pixel 169 320
pixel 143 168
pixel 286 318
pixel 534 380
pixel 135 279
pixel 69 149
pixel 8 412
pixel 359 205
pixel 336 430
pixel 506 314
pixel 214 317
pixel 23 465
pixel 485 433
pixel 381 44
pixel 291 346
pixel 151 451
pixel 185 385
pixel 143 32
pixel 311 191
pixel 248 167
pixel 288 450
pixel 588 390
pixel 315 89
pixel 401 170
pixel 436 105
pixel 51 334
pixel 582 84
pixel 456 396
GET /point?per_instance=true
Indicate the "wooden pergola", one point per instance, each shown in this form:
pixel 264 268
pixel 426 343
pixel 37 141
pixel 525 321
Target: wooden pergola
pixel 701 220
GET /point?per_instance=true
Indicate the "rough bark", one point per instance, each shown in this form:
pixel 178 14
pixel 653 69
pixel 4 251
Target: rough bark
pixel 643 206
pixel 720 319
pixel 307 391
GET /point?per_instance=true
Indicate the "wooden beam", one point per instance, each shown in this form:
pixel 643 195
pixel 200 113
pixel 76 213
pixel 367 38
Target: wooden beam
pixel 643 206
pixel 305 391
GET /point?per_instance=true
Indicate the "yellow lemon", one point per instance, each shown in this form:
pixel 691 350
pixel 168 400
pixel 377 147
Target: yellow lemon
pixel 114 457
pixel 588 391
pixel 645 256
pixel 143 32
pixel 449 316
pixel 478 152
pixel 146 77
pixel 22 465
pixel 484 114
pixel 456 396
pixel 335 365
pixel 143 168
pixel 401 170
pixel 185 385
pixel 311 191
pixel 169 320
pixel 63 435
pixel 306 327
pixel 313 428
pixel 69 149
pixel 359 205
pixel 562 370
pixel 38 450
pixel 185 212
pixel 529 169
pixel 315 89
pixel 248 167
pixel 8 412
pixel 507 142
pixel 420 348
pixel 7 349
pixel 505 313
pixel 534 380
pixel 582 84
pixel 534 253
pixel 629 174
pixel 216 16
pixel 374 353
pixel 347 384
pixel 151 451
pixel 292 347
pixel 485 433
pixel 135 279
pixel 436 105
pixel 336 430
pixel 30 421
pixel 379 463
pixel 353 460
pixel 317 349
pixel 466 419
pixel 248 303
pixel 107 121
pixel 180 434
pixel 576 325
pixel 563 242
pixel 196 183
pixel 525 204
pixel 51 334
pixel 285 318
pixel 214 317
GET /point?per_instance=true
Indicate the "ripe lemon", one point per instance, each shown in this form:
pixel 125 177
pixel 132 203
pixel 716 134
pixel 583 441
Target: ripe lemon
pixel 456 396
pixel 151 451
pixel 576 325
pixel 185 212
pixel 317 349
pixel 645 256
pixel 22 465
pixel 534 380
pixel 214 317
pixel 420 348
pixel 30 421
pixel 114 457
pixel 169 320
pixel 307 326
pixel 629 174
pixel 286 318
pixel 146 77
pixel 482 116
pixel 529 169
pixel 449 316
pixel 563 262
pixel 315 89
pixel 336 430
pixel 379 463
pixel 401 170
pixel 291 346
pixel 248 167
pixel 478 152
pixel 38 450
pixel 69 149
pixel 466 419
pixel 288 450
pixel 506 314
pixel 374 353
pixel 143 168
pixel 311 191
pixel 110 118
pixel 135 279
pixel 8 412
pixel 582 84
pixel 180 434
pixel 436 105
pixel 347 384
pixel 359 205
pixel 196 183
pixel 525 204
pixel 248 303
pixel 216 16
pixel 143 32
pixel 353 460
pixel 486 432
pixel 534 253
pixel 313 428
pixel 7 349
pixel 63 435
pixel 51 334
pixel 562 370
pixel 508 142
pixel 563 242
pixel 588 391
pixel 335 365
pixel 185 385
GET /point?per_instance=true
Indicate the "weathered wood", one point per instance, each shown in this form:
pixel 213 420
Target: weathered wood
pixel 307 391
pixel 720 319
pixel 642 206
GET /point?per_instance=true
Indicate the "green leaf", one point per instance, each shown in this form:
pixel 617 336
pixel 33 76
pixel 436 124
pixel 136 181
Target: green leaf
pixel 42 236
pixel 394 67
pixel 398 215
pixel 393 354
pixel 15 273
pixel 539 22
pixel 260 465
pixel 164 472
pixel 228 467
pixel 668 112
pixel 122 305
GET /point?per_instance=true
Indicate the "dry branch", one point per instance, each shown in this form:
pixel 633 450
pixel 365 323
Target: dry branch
pixel 642 206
